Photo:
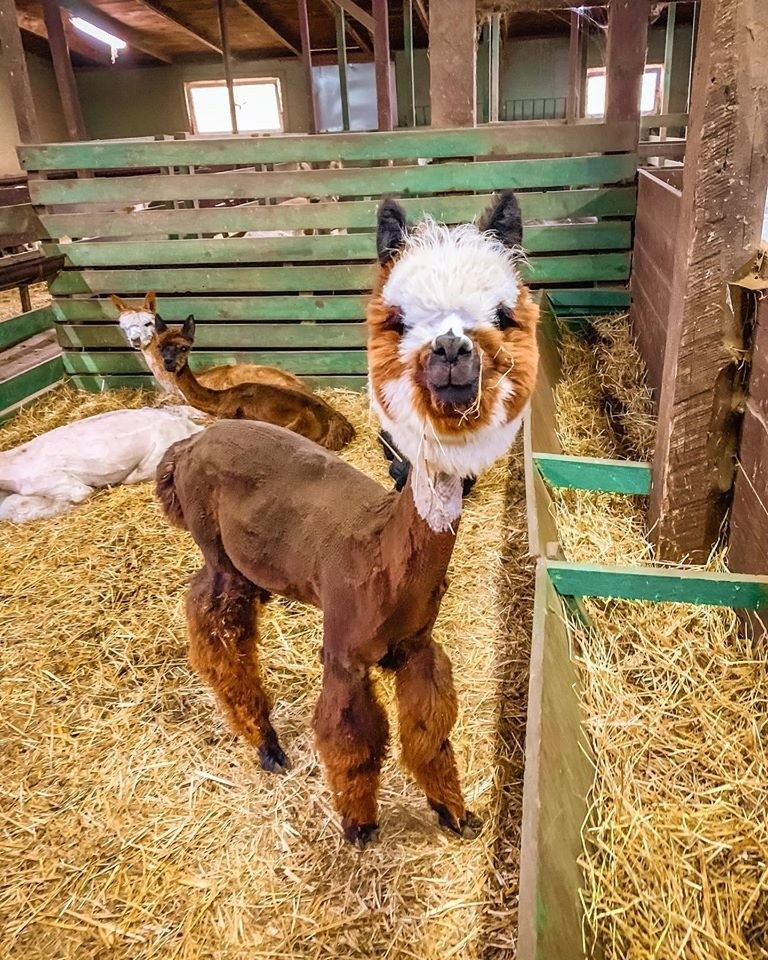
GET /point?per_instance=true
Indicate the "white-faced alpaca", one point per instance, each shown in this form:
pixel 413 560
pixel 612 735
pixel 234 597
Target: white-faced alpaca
pixel 452 363
pixel 139 328
pixel 58 469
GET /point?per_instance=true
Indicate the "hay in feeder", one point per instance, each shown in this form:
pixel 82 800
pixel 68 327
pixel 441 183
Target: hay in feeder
pixel 674 696
pixel 10 301
pixel 135 825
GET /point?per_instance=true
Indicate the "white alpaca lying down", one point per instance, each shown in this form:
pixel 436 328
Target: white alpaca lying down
pixel 56 470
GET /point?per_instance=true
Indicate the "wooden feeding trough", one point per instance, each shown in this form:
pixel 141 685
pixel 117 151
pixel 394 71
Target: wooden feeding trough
pixel 559 770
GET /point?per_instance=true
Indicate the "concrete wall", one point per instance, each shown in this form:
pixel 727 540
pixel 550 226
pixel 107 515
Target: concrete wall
pixel 47 103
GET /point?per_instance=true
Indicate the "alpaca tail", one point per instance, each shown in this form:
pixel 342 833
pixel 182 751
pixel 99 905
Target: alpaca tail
pixel 340 432
pixel 165 484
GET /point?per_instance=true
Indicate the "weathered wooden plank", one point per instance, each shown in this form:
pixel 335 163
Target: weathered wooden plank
pixel 222 309
pixel 558 776
pixel 25 325
pixel 11 411
pixel 383 64
pixel 741 591
pixel 550 269
pixel 625 58
pixel 589 473
pixel 225 336
pixel 720 221
pixel 670 149
pixel 594 300
pixel 605 235
pixel 548 205
pixel 543 536
pixel 18 388
pixel 548 138
pixel 17 72
pixel 62 66
pixel 297 361
pixel 367 181
pixel 653 120
pixel 95 383
pixel 452 63
pixel 20 221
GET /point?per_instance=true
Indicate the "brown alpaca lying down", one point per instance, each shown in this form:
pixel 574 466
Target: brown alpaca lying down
pixel 299 411
pixel 138 326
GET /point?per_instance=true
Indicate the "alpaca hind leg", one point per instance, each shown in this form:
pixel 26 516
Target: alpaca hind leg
pixel 427 708
pixel 222 617
pixel 351 734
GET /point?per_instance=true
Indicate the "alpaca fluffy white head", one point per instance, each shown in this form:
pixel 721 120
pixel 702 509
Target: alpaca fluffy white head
pixel 138 327
pixel 452 344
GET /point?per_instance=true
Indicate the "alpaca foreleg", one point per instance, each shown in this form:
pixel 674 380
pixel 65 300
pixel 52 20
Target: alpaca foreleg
pixel 351 735
pixel 222 617
pixel 427 708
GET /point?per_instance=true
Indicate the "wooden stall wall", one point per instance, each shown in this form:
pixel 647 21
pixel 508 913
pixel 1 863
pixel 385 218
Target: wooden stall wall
pixel 653 256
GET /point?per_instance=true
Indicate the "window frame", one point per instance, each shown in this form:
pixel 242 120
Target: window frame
pixel 657 68
pixel 191 85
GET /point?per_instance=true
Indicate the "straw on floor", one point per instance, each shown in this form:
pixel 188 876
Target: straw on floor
pixel 134 825
pixel 674 697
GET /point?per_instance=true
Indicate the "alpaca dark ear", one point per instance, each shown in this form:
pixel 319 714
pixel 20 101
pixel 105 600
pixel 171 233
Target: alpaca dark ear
pixel 391 230
pixel 160 326
pixel 188 327
pixel 504 220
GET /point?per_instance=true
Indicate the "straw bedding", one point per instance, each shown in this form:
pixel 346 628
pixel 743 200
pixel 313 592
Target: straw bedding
pixel 10 301
pixel 675 700
pixel 134 825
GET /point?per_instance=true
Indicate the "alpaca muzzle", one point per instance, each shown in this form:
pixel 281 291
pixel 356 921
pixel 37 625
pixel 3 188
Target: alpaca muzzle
pixel 452 371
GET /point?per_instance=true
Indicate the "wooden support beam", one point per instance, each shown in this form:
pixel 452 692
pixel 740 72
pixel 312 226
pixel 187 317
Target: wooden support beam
pixel 270 24
pixel 725 179
pixel 625 58
pixel 78 43
pixel 409 91
pixel 65 75
pixel 341 50
pixel 383 64
pixel 357 13
pixel 133 37
pixel 359 38
pixel 422 14
pixel 169 14
pixel 227 62
pixel 452 63
pixel 493 67
pixel 306 58
pixel 577 50
pixel 15 63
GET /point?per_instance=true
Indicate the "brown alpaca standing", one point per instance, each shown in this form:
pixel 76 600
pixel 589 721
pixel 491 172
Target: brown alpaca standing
pixel 303 413
pixel 138 325
pixel 272 513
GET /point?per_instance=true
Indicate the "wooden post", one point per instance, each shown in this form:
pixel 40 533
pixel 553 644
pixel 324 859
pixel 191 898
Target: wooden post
pixel 576 72
pixel 625 58
pixel 65 75
pixel 493 68
pixel 226 57
pixel 16 64
pixel 669 48
pixel 452 63
pixel 341 56
pixel 410 82
pixel 306 59
pixel 725 179
pixel 383 67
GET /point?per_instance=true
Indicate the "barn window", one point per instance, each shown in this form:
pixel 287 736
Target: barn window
pixel 650 97
pixel 258 104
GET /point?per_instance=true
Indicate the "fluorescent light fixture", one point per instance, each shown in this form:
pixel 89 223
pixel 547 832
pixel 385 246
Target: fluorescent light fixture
pixel 114 43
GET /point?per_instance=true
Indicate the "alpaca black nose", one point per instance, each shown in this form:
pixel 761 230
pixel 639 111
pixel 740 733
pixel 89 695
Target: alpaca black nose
pixel 452 348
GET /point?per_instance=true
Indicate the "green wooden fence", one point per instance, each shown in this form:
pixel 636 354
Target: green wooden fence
pixel 148 216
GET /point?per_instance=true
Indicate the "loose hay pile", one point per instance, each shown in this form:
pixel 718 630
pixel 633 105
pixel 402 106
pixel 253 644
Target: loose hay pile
pixel 676 703
pixel 10 301
pixel 135 826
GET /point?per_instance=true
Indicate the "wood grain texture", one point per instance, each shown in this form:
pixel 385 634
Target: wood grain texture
pixel 724 188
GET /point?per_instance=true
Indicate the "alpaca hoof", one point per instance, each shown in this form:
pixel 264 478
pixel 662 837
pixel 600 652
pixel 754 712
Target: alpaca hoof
pixel 468 827
pixel 361 835
pixel 272 758
pixel 472 826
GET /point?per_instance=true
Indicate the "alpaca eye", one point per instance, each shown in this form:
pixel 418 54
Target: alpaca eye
pixel 395 320
pixel 505 318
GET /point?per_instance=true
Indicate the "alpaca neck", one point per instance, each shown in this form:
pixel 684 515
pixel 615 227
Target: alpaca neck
pixel 195 393
pixel 155 363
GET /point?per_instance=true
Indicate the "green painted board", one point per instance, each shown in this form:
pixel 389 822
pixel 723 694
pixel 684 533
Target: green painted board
pixel 589 473
pixel 226 336
pixel 223 309
pixel 548 269
pixel 606 235
pixel 97 383
pixel 558 776
pixel 548 138
pixel 23 385
pixel 17 329
pixel 594 299
pixel 660 585
pixel 350 182
pixel 307 362
pixel 360 214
